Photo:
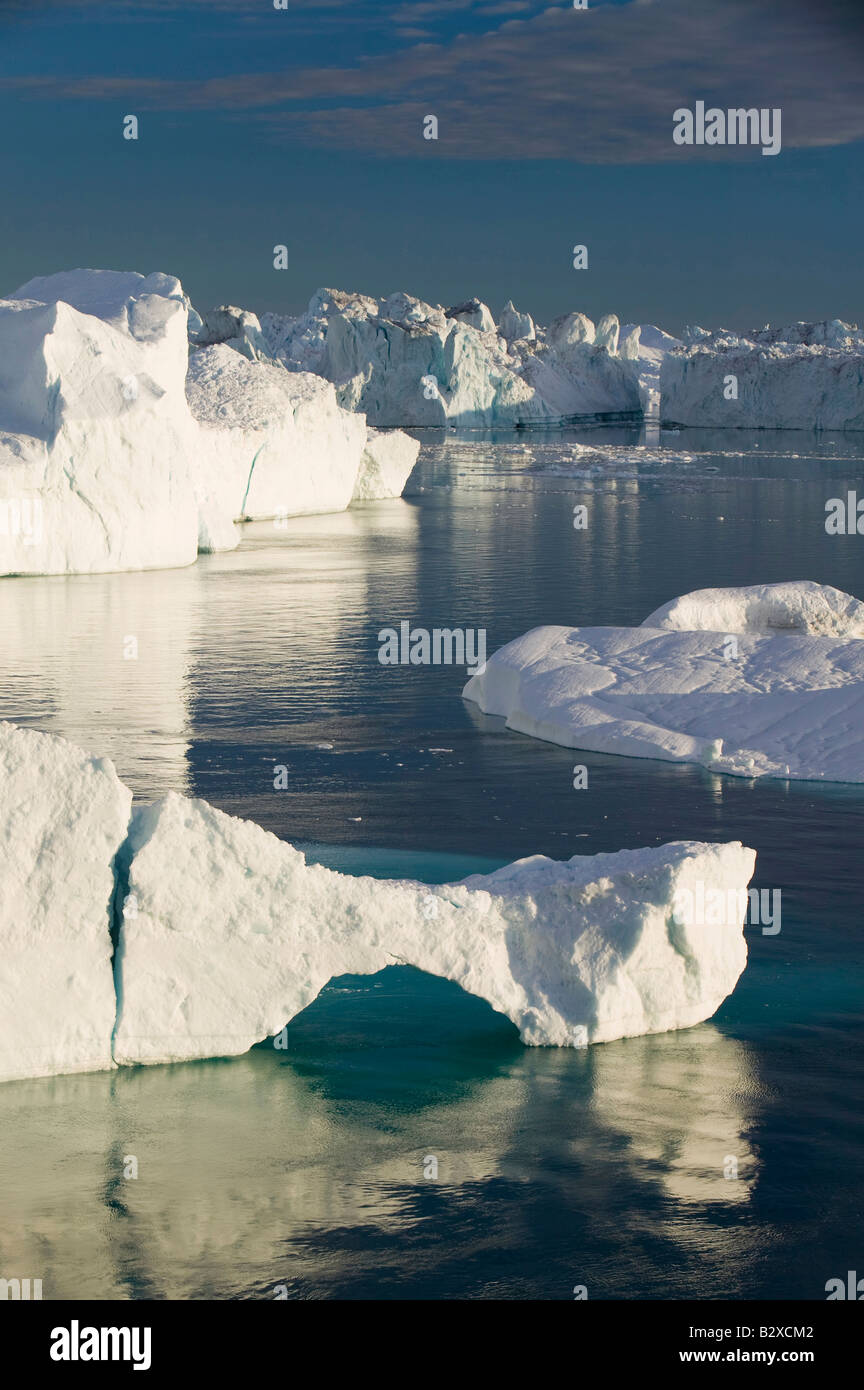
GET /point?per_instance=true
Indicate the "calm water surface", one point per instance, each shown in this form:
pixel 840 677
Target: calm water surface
pixel 305 1168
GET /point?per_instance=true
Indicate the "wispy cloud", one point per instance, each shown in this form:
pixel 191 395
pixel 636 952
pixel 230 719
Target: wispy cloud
pixel 591 86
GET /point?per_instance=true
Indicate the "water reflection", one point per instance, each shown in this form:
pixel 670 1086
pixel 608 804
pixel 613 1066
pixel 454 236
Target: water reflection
pixel 299 1170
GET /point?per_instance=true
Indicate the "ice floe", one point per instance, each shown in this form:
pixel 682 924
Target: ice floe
pixel 761 681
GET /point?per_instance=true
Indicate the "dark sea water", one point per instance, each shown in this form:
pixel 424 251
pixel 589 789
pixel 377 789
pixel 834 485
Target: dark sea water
pixel 304 1170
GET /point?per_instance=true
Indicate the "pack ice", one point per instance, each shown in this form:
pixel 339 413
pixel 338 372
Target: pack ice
pixel 804 376
pixel 404 362
pixel 766 680
pixel 224 932
pixel 105 464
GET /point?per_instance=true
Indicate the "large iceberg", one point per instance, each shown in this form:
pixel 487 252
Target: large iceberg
pixel 806 376
pixel 761 681
pixel 107 464
pixel 404 362
pixel 223 932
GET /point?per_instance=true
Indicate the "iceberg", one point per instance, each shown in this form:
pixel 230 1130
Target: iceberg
pixel 239 328
pixel 646 346
pixel 514 326
pixel 388 461
pixel 407 363
pixel 63 818
pixel 233 934
pixel 760 681
pixel 475 313
pixel 122 447
pixel 806 376
pixel 223 932
pixel 96 441
pixel 276 442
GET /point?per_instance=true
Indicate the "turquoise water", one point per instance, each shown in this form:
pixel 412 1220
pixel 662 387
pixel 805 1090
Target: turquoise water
pixel 306 1169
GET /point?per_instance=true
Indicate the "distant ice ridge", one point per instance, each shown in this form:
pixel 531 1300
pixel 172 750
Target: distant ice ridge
pixel 763 681
pixel 224 933
pixel 404 362
pixel 106 465
pixel 803 376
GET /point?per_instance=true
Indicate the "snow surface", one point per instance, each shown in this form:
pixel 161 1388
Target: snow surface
pixel 224 932
pixel 760 681
pixel 104 465
pixel 63 817
pixel 404 362
pixel 806 376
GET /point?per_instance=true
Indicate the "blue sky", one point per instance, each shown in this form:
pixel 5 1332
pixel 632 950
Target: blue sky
pixel 304 127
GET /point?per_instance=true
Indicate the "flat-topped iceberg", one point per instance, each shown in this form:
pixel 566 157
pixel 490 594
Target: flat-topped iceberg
pixel 759 681
pixel 106 463
pixel 806 376
pixel 224 933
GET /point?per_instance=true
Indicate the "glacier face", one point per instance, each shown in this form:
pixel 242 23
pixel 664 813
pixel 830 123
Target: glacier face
pixel 805 376
pixel 762 681
pixel 404 362
pixel 121 449
pixel 224 932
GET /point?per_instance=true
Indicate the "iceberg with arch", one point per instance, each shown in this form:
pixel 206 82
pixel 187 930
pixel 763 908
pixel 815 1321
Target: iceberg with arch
pixel 761 681
pixel 222 933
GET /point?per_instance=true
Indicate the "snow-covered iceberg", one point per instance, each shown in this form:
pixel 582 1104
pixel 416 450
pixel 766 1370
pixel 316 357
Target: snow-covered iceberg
pixel 407 363
pixel 224 933
pixel 806 376
pixel 761 681
pixel 63 818
pixel 107 464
